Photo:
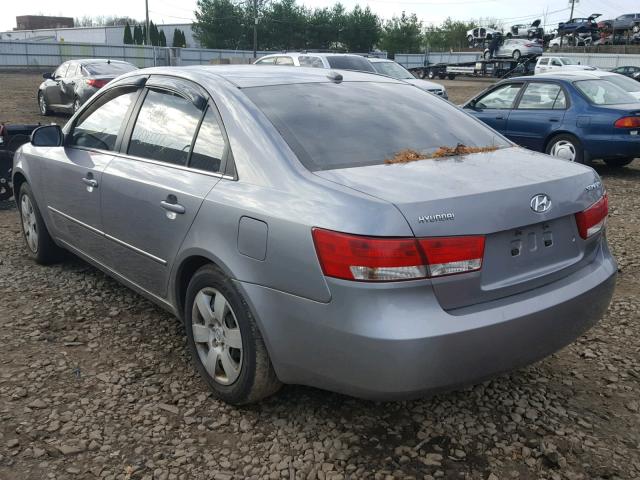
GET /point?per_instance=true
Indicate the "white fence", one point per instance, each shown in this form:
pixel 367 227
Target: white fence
pixel 605 61
pixel 16 54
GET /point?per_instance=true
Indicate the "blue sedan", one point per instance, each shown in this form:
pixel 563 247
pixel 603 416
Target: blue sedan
pixel 574 117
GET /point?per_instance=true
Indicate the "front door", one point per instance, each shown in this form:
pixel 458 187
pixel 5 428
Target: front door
pixel 152 193
pixel 494 107
pixel 74 172
pixel 539 112
pixel 53 86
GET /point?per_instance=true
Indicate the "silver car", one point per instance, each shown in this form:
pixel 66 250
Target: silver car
pixel 516 48
pixel 330 228
pixel 397 71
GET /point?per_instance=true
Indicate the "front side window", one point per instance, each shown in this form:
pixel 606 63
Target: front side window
pixel 165 128
pixel 266 61
pixel 542 96
pixel 544 61
pixel 208 151
pixel 99 126
pixel 61 71
pixel 501 97
pixel 365 123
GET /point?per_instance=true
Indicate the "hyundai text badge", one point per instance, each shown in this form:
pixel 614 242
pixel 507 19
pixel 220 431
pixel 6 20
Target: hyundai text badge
pixel 540 203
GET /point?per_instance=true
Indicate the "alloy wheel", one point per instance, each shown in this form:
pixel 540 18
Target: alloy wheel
pixel 564 149
pixel 217 336
pixel 29 224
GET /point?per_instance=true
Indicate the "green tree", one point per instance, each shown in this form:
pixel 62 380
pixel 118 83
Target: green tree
pixel 153 34
pixel 362 30
pixel 450 34
pixel 128 37
pixel 177 38
pixel 137 35
pixel 219 24
pixel 402 34
pixel 144 35
pixel 162 39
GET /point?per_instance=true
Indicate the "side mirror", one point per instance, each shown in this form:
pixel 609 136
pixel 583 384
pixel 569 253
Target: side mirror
pixel 471 104
pixel 47 136
pixel 47 76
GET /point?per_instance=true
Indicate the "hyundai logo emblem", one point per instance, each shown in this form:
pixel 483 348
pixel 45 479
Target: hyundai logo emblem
pixel 540 203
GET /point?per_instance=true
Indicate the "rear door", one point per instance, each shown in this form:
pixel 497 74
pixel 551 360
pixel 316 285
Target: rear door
pixel 155 187
pixel 73 173
pixel 494 107
pixel 539 111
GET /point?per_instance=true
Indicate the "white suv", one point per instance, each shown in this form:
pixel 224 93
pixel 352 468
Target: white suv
pixel 343 61
pixel 556 64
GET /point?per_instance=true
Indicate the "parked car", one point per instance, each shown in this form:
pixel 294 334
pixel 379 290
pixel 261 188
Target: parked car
pixel 625 83
pixel 628 71
pixel 579 25
pixel 478 35
pixel 628 21
pixel 558 64
pixel 279 221
pixel 576 40
pixel 345 61
pixel 568 115
pixel 12 136
pixel 516 48
pixel 73 83
pixel 526 31
pixel 397 71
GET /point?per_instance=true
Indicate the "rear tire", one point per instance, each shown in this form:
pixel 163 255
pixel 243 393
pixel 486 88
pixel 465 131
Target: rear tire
pixel 224 340
pixel 40 245
pixel 566 147
pixel 618 162
pixel 516 55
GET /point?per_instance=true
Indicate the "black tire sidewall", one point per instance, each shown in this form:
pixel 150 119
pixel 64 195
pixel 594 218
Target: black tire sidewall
pixel 618 162
pixel 240 390
pixel 47 251
pixel 574 140
pixel 46 106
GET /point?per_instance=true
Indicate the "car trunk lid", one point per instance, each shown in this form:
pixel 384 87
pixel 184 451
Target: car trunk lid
pixel 490 194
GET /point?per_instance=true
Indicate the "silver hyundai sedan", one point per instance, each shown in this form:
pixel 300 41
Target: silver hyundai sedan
pixel 330 228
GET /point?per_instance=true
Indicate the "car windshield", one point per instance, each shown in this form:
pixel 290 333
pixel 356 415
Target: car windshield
pixel 365 123
pixel 104 68
pixel 350 62
pixel 602 92
pixel 392 69
pixel 566 61
pixel 623 82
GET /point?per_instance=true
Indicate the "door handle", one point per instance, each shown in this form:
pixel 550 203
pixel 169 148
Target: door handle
pixel 172 207
pixel 499 117
pixel 555 120
pixel 90 182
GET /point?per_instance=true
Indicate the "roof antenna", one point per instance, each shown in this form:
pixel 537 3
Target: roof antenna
pixel 335 77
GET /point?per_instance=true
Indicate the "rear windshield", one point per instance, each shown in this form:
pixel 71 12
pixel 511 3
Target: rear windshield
pixel 348 62
pixel 603 92
pixel 353 124
pixel 392 69
pixel 105 68
pixel 625 83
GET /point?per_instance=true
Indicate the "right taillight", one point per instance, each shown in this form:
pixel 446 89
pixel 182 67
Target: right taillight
pixel 593 219
pixel 628 122
pixel 380 259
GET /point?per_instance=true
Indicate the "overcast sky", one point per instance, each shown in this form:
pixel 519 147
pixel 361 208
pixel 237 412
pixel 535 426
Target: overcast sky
pixel 429 11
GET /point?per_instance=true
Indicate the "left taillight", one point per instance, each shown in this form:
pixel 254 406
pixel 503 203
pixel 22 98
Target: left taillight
pixel 628 122
pixel 593 219
pixel 380 259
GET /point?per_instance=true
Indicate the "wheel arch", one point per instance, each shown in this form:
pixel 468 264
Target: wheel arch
pixel 556 133
pixel 19 178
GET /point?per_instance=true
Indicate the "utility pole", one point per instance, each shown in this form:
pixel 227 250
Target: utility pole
pixel 255 29
pixel 148 35
pixel 573 4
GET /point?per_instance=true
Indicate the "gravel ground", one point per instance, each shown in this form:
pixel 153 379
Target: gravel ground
pixel 95 384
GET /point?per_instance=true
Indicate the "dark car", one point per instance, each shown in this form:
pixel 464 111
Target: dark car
pixel 628 21
pixel 12 136
pixel 573 116
pixel 579 25
pixel 628 71
pixel 75 81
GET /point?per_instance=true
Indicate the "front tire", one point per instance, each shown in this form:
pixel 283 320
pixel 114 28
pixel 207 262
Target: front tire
pixel 618 162
pixel 76 105
pixel 566 147
pixel 224 340
pixel 40 245
pixel 43 105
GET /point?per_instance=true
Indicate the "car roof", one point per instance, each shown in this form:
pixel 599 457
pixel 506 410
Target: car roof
pixel 95 60
pixel 561 76
pixel 246 76
pixel 315 54
pixel 380 60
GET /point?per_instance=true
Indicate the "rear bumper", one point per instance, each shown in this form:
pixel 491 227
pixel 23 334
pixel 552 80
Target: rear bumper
pixel 395 342
pixel 622 146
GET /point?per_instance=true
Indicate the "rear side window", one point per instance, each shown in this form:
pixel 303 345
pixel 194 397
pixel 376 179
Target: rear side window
pixel 99 125
pixel 314 62
pixel 542 96
pixel 284 61
pixel 165 128
pixel 350 62
pixel 353 124
pixel 209 149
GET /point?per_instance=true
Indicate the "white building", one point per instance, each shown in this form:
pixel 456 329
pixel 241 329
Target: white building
pixel 100 35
